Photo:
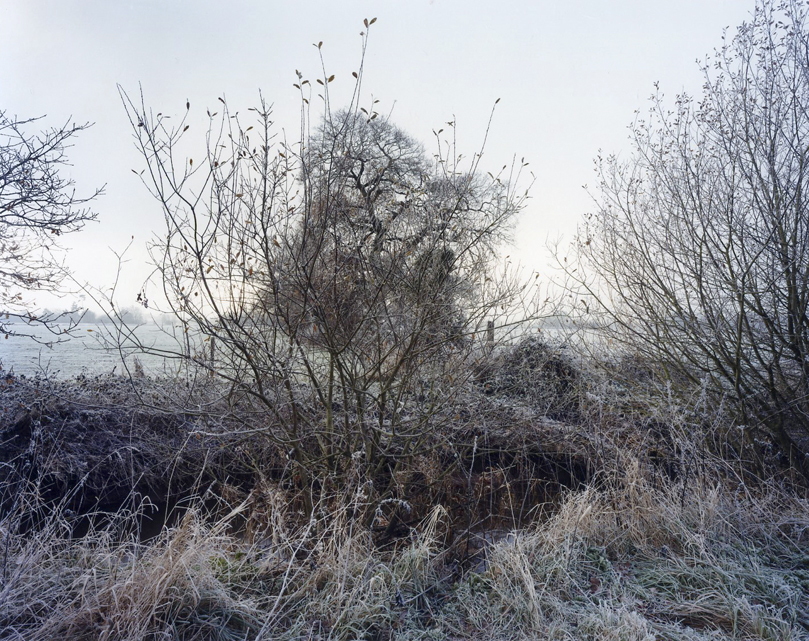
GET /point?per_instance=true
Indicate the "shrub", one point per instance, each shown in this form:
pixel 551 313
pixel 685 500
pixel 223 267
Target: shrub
pixel 697 256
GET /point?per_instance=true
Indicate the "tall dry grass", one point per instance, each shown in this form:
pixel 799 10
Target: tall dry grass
pixel 637 562
pixel 626 560
pixel 662 539
pixel 247 574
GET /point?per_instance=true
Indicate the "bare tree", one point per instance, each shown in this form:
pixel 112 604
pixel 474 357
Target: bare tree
pixel 697 256
pixel 343 279
pixel 37 206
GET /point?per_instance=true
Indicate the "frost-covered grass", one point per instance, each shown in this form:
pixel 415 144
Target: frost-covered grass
pixel 627 561
pixel 635 562
pixel 660 539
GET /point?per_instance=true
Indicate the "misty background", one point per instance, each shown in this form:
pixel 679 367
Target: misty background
pixel 569 77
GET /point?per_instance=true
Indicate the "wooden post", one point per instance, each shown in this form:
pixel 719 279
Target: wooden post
pixel 490 334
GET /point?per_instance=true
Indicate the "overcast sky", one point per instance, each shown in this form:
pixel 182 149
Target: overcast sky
pixel 569 73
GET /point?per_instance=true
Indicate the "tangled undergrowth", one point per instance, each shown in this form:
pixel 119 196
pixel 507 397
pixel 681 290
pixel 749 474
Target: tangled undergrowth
pixel 626 562
pixel 125 519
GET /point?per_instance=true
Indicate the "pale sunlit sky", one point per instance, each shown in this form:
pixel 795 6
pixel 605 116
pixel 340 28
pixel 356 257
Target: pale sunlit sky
pixel 569 73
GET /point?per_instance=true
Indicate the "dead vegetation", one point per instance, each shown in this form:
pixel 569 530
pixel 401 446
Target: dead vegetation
pixel 125 520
